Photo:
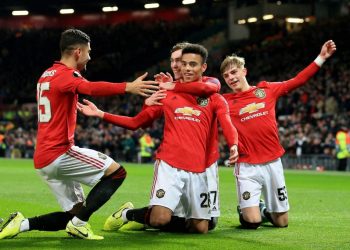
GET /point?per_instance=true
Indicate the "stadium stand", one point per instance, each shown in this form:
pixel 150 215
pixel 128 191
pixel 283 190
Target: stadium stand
pixel 308 118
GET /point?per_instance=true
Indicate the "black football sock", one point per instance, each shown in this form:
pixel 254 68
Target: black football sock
pixel 50 222
pixel 101 193
pixel 138 214
pixel 213 223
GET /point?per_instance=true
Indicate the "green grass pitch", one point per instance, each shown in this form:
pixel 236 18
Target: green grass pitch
pixel 319 215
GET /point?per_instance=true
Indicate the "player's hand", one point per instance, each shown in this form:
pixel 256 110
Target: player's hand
pixel 141 87
pixel 167 85
pixel 89 109
pixel 155 98
pixel 233 155
pixel 328 49
pixel 161 77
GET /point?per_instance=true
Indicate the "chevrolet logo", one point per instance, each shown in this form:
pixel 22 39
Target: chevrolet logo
pixel 251 108
pixel 187 111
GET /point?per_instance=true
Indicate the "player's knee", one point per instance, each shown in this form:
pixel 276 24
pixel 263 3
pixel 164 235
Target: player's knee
pixel 280 219
pixel 212 223
pixel 281 223
pixel 247 224
pixel 199 227
pixel 113 169
pixel 159 220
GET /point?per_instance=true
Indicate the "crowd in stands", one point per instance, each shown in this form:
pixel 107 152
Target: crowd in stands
pixel 308 117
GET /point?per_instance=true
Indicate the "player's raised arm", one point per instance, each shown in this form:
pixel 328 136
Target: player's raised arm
pixel 303 76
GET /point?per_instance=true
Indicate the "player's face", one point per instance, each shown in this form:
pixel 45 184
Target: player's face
pixel 83 56
pixel 192 67
pixel 235 78
pixel 175 63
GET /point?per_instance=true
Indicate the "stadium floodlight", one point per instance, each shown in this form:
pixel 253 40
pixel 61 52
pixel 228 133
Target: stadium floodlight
pixel 20 13
pixel 110 8
pixel 252 19
pixel 294 20
pixel 151 5
pixel 184 2
pixel 66 11
pixel 268 17
pixel 241 21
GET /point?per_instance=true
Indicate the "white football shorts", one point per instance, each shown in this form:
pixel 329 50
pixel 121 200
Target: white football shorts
pixel 213 187
pixel 267 179
pixel 65 175
pixel 173 186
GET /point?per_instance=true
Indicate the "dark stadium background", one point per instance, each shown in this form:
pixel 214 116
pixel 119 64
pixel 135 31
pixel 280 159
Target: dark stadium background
pixel 133 40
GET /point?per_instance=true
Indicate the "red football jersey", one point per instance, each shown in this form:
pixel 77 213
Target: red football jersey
pixel 209 85
pixel 57 96
pixel 253 114
pixel 187 127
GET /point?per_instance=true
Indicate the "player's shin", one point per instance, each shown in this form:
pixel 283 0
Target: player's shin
pixel 50 222
pixel 101 193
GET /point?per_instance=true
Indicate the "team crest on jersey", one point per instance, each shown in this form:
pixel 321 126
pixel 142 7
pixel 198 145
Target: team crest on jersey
pixel 246 195
pixel 260 93
pixel 76 74
pixel 102 156
pixel 202 101
pixel 160 193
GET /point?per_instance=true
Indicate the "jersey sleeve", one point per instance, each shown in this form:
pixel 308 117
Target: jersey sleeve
pixel 282 88
pixel 223 114
pixel 72 81
pixel 207 87
pixel 142 119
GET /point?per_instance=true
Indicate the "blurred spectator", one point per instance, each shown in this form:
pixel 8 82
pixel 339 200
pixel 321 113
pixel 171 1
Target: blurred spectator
pixel 343 147
pixel 146 147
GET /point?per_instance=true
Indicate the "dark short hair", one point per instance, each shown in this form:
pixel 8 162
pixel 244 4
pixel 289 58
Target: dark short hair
pixel 179 46
pixel 196 49
pixel 72 37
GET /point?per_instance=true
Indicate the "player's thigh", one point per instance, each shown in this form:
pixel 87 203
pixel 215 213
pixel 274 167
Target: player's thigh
pixel 84 165
pixel 167 186
pixel 248 184
pixel 196 196
pixel 68 193
pixel 213 186
pixel 274 190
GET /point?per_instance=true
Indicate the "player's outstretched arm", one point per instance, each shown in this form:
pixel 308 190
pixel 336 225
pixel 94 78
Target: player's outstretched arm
pixel 141 87
pixel 142 119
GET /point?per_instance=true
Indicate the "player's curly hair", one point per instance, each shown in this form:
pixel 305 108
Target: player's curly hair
pixel 72 37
